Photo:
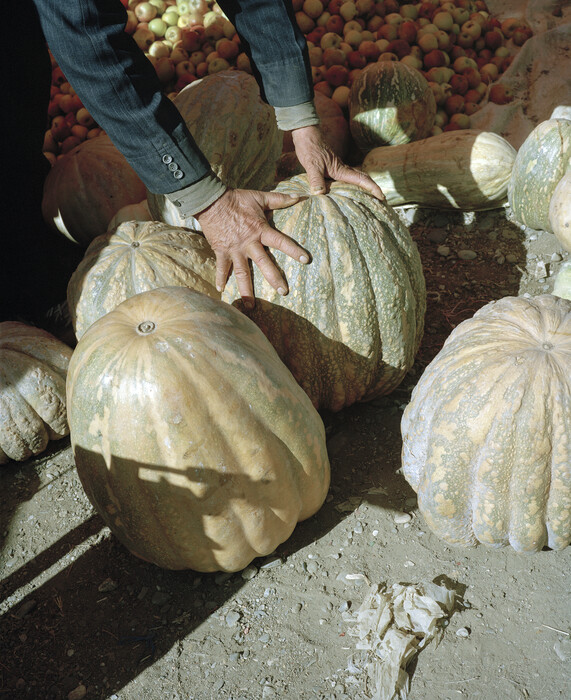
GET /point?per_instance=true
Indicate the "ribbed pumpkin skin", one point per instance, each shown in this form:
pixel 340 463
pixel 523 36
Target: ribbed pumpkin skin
pixel 191 438
pixel 487 433
pixel 560 211
pixel 464 169
pixel 390 104
pixel 33 367
pixel 235 130
pixel 352 322
pixel 86 188
pixel 134 258
pixel 541 161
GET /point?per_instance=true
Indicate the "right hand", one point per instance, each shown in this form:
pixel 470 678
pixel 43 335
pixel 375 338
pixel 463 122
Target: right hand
pixel 236 227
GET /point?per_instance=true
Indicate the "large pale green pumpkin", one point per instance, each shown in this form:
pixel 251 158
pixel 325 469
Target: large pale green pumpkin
pixel 390 103
pixel 541 161
pixel 135 257
pixel 487 433
pixel 234 128
pixel 33 367
pixel 190 436
pixel 352 322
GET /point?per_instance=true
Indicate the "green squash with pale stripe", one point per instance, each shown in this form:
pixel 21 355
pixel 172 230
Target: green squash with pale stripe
pixel 135 257
pixel 487 432
pixel 234 128
pixel 390 103
pixel 541 161
pixel 351 325
pixel 190 436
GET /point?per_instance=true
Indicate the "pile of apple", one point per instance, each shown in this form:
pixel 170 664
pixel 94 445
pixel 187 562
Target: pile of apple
pixel 456 44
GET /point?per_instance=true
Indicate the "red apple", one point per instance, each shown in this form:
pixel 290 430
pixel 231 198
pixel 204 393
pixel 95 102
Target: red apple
pixel 399 47
pixel 333 57
pixel 407 31
pixel 335 24
pixel 370 50
pixel 337 75
pixel 454 104
pixel 521 35
pixel 459 84
pixel 500 94
pixel 434 59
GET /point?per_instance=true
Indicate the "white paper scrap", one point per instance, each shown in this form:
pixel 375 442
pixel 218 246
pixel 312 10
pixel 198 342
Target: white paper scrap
pixel 391 626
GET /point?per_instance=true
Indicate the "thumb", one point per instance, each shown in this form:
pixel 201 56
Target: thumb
pixel 316 181
pixel 278 200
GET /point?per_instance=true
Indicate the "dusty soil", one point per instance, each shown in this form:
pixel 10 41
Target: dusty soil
pixel 81 617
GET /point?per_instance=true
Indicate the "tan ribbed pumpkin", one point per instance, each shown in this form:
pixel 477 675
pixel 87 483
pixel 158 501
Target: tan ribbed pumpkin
pixel 352 322
pixel 190 436
pixel 86 188
pixel 234 128
pixel 33 368
pixel 487 433
pixel 135 257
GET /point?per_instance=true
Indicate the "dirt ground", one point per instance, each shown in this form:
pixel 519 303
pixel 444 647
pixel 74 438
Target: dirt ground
pixel 81 617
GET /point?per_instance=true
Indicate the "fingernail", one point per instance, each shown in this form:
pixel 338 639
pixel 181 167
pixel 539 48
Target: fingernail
pixel 303 259
pixel 281 291
pixel 219 288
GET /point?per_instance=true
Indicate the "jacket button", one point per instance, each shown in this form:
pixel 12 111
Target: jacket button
pixel 167 159
pixel 172 167
pixel 178 174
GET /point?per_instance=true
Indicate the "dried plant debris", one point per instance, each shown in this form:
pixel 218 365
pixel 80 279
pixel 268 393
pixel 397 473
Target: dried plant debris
pixel 391 626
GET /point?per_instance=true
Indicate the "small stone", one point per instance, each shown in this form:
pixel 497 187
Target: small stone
pixel 467 254
pixel 463 632
pixel 232 618
pixel 26 608
pixel 77 693
pixel 563 649
pixel 437 235
pixel 107 586
pixel 264 638
pixel 443 250
pixel 160 598
pixel 271 563
pixel 296 608
pixel 249 573
pixel 401 518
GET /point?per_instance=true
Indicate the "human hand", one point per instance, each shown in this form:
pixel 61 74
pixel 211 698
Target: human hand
pixel 237 229
pixel 319 162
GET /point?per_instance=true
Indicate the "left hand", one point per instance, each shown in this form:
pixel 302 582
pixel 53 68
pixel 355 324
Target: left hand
pixel 319 162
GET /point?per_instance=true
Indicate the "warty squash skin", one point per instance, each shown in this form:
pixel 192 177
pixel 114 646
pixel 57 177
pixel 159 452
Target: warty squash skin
pixel 541 161
pixel 465 169
pixel 135 257
pixel 390 104
pixel 234 128
pixel 487 433
pixel 190 436
pixel 86 188
pixel 560 211
pixel 33 368
pixel 351 325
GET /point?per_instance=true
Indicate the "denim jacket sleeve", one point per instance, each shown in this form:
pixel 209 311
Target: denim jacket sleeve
pixel 119 86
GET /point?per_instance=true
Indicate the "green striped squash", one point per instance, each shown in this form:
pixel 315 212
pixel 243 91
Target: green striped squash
pixel 190 436
pixel 352 322
pixel 541 161
pixel 486 435
pixel 135 257
pixel 390 103
pixel 234 128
